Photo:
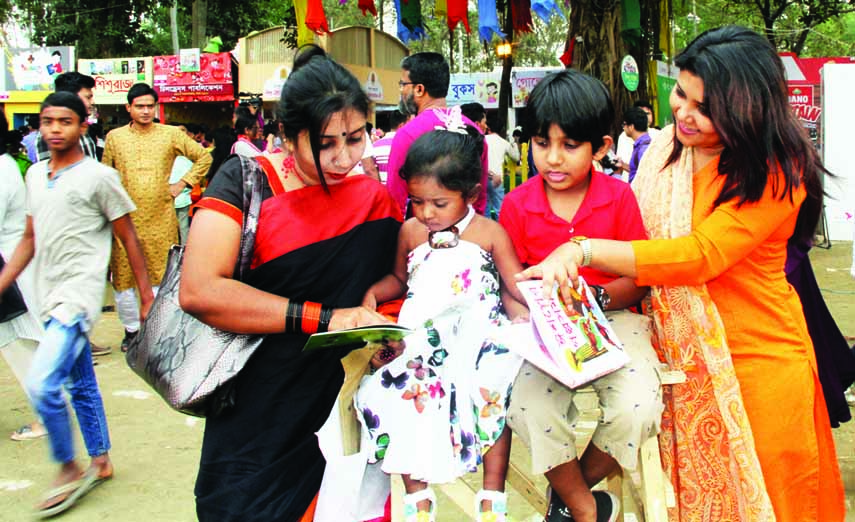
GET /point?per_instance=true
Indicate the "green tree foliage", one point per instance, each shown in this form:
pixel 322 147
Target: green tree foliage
pixel 97 28
pixel 805 27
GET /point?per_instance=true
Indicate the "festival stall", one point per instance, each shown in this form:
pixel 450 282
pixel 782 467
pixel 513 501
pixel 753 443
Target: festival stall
pixel 113 78
pixel 192 76
pixel 373 56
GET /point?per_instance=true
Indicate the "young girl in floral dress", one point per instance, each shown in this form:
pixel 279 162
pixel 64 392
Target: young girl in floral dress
pixel 437 410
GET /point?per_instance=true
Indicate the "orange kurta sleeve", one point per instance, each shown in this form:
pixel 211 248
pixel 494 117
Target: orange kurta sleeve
pixel 718 241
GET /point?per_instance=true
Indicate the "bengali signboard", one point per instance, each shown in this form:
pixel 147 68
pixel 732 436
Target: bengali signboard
pixel 115 76
pixel 522 82
pixel 212 82
pixel 34 69
pixel 482 88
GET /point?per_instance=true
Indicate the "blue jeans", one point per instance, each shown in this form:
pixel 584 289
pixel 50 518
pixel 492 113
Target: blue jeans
pixel 495 196
pixel 64 358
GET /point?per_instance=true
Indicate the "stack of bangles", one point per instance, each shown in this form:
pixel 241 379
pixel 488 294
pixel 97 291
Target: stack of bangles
pixel 307 317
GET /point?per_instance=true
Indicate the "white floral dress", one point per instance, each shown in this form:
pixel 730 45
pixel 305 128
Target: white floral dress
pixel 435 410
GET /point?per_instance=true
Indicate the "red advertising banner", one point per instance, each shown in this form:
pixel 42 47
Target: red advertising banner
pixel 212 82
pixel 800 94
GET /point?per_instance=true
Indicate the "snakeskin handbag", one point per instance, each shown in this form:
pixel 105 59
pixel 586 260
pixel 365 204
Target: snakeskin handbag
pixel 187 362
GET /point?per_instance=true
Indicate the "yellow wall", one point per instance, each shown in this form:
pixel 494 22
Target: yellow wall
pixel 23 102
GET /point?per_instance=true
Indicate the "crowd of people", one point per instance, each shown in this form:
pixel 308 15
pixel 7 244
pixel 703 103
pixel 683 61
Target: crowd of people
pixel 683 235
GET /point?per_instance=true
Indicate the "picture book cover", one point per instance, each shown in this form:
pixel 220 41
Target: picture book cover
pixel 356 337
pixel 572 341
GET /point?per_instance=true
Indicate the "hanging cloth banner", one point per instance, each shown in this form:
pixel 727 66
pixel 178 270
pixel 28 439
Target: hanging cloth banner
pixel 545 9
pixel 316 19
pixel 488 21
pixel 458 12
pixel 441 8
pixel 409 20
pixel 304 34
pixel 630 22
pixel 521 15
pixel 366 5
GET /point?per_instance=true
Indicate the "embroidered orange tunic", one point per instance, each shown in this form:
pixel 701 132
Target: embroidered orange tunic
pixel 739 252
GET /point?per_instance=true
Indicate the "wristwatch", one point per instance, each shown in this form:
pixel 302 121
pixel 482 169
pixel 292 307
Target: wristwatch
pixel 585 244
pixel 601 295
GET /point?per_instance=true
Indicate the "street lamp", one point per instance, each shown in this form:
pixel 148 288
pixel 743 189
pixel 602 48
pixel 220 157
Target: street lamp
pixel 503 50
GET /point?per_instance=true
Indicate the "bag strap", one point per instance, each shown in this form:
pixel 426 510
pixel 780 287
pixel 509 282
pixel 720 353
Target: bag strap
pixel 253 181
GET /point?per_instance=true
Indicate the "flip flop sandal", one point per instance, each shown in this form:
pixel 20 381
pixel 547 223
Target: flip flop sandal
pixel 26 432
pixel 75 490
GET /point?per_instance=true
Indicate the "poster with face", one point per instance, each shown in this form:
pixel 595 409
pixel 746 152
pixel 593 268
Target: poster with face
pixel 34 69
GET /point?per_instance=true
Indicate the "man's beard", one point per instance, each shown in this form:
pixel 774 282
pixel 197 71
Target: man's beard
pixel 408 106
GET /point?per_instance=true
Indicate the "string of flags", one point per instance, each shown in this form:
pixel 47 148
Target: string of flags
pixel 311 17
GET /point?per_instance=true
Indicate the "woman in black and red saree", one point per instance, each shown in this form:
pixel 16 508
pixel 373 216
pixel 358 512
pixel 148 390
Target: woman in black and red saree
pixel 323 238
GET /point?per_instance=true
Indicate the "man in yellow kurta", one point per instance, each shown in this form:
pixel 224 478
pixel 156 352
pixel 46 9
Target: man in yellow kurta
pixel 143 152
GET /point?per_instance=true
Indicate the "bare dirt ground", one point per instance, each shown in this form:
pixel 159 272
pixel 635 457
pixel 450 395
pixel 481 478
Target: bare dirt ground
pixel 156 450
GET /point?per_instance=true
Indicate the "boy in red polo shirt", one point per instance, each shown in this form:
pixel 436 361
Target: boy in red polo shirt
pixel 569 115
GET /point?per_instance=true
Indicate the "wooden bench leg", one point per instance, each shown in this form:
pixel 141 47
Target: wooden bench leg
pixel 654 483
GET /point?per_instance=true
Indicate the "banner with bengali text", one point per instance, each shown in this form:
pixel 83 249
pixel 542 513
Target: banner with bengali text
pixel 213 81
pixel 115 76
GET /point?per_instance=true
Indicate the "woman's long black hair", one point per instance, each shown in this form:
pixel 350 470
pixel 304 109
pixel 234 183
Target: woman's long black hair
pixel 746 92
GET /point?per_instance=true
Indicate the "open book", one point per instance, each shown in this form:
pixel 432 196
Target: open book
pixel 356 337
pixel 571 341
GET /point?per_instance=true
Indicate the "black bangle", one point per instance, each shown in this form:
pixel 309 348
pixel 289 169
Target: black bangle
pixel 294 317
pixel 326 317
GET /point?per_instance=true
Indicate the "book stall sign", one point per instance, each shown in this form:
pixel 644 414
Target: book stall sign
pixel 522 82
pixel 482 88
pixel 572 341
pixel 34 69
pixel 212 82
pixel 115 76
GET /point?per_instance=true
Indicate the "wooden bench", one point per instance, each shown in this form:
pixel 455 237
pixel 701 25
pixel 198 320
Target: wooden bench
pixel 647 493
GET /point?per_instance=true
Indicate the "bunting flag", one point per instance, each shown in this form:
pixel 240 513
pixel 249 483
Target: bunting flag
pixel 304 34
pixel 409 20
pixel 521 16
pixel 488 21
pixel 458 11
pixel 367 5
pixel 316 19
pixel 545 9
pixel 441 8
pixel 630 22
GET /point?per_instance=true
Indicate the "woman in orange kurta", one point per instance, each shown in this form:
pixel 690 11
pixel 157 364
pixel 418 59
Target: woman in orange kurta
pixel 747 437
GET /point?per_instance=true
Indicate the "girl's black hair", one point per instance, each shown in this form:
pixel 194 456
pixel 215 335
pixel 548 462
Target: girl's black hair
pixel 223 138
pixel 745 91
pixel 317 88
pixel 452 158
pixel 579 104
pixel 245 120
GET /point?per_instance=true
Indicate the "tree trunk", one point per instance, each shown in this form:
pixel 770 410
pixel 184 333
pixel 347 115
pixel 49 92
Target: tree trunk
pixel 173 26
pixel 199 22
pixel 505 96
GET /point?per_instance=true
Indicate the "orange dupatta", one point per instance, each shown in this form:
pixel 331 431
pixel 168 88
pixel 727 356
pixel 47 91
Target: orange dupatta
pixel 706 441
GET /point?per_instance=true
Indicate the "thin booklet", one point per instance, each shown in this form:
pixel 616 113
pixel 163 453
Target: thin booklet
pixel 356 337
pixel 571 341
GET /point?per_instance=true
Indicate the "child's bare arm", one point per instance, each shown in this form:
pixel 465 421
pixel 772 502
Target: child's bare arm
pixel 393 285
pixel 506 261
pixel 124 229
